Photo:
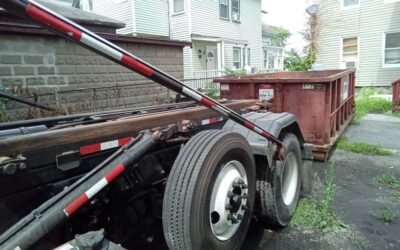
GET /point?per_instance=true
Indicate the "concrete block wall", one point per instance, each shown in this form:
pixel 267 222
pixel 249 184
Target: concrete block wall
pixel 54 69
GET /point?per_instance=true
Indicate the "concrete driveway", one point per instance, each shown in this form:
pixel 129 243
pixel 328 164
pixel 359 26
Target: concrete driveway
pixel 358 202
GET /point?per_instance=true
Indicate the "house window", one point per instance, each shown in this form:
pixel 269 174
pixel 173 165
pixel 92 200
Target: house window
pixel 236 58
pixel 224 9
pixel 244 56
pixel 235 10
pixel 178 6
pixel 348 3
pixel 392 49
pixel 350 52
pixel 248 56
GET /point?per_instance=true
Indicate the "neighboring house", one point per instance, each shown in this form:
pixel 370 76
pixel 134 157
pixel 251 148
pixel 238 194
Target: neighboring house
pixel 141 17
pixel 224 33
pixel 364 34
pixel 272 54
pixel 61 74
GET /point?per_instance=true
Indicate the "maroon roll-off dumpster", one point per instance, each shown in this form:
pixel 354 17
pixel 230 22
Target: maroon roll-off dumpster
pixel 396 96
pixel 323 101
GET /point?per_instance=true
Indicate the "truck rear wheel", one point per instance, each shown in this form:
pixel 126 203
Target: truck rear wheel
pixel 209 197
pixel 278 187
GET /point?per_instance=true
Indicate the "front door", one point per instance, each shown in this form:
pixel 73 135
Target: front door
pixel 211 57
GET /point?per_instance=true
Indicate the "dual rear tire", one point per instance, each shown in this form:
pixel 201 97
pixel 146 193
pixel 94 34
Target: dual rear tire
pixel 211 191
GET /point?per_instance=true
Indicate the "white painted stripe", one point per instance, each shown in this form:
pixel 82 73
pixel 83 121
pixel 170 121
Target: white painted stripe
pixel 96 188
pixel 205 122
pixel 257 130
pixel 109 144
pixel 222 111
pixel 91 42
pixel 191 93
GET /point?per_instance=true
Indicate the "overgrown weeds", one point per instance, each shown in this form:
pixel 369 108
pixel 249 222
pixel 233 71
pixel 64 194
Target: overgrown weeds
pixel 387 214
pixel 212 90
pixel 317 214
pixel 361 148
pixel 365 104
pixel 387 180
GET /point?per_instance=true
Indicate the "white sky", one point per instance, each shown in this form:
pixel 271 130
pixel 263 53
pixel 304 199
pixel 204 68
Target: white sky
pixel 289 14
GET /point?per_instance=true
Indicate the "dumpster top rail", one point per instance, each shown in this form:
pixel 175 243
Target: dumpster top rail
pixel 290 77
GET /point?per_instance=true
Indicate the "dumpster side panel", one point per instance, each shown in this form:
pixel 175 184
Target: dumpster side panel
pixel 396 96
pixel 308 105
pixel 323 101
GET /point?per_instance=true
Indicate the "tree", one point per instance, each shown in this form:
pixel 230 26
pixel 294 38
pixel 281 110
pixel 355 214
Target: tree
pixel 293 62
pixel 281 36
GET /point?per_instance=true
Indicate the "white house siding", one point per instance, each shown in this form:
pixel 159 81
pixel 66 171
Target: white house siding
pixel 228 51
pixel 122 11
pixel 152 17
pixel 368 22
pixel 180 30
pixel 206 22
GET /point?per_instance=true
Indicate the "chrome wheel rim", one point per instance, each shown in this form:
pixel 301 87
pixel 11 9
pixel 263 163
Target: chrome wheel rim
pixel 289 178
pixel 228 200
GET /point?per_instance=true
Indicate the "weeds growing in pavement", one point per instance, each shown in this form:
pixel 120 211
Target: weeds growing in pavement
pixel 387 214
pixel 366 104
pixel 388 180
pixel 318 214
pixel 394 193
pixel 361 148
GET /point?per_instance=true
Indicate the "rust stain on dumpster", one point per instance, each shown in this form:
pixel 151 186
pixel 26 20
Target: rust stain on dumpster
pixel 323 101
pixel 396 96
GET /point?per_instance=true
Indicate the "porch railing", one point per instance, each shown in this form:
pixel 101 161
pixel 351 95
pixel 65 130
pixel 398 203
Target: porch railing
pixel 208 73
pixel 201 79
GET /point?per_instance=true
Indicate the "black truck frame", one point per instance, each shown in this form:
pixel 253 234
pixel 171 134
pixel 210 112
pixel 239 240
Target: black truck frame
pixel 199 172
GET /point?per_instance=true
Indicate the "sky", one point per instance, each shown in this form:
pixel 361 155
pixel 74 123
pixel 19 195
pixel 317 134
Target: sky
pixel 289 14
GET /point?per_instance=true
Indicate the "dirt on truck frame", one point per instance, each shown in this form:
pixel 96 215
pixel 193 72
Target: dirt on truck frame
pixel 204 172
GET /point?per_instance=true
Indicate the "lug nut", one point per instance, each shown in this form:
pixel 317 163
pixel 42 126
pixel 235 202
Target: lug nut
pixel 239 216
pixel 235 185
pixel 232 219
pixel 244 207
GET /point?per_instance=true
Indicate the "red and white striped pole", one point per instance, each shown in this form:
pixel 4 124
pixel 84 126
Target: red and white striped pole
pixel 103 47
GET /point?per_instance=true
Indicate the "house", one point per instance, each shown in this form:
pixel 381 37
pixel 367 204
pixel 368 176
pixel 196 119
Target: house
pixel 272 52
pixel 364 34
pixel 46 68
pixel 224 33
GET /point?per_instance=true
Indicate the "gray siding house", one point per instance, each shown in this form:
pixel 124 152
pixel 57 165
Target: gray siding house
pixel 361 33
pixel 224 33
pixel 272 54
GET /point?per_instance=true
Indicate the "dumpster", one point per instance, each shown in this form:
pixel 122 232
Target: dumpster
pixel 323 101
pixel 396 96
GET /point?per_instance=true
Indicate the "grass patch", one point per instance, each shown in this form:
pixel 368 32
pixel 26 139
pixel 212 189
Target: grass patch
pixel 387 215
pixel 361 148
pixel 318 214
pixel 394 193
pixel 388 180
pixel 366 104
